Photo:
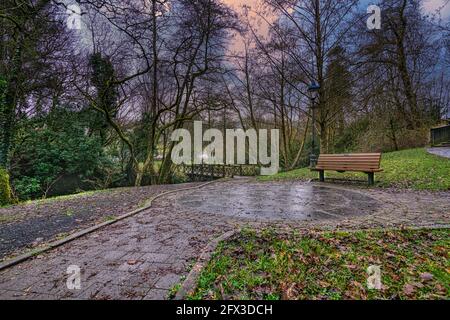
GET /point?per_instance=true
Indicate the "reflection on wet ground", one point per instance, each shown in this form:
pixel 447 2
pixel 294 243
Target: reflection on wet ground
pixel 280 201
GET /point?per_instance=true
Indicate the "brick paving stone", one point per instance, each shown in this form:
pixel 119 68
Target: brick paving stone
pixel 17 295
pixel 18 283
pixel 44 296
pixel 167 281
pixel 154 267
pixel 100 291
pixel 127 266
pixel 157 294
pixel 112 255
pixel 155 257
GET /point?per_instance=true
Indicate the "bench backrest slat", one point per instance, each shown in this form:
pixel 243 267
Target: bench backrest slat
pixel 355 161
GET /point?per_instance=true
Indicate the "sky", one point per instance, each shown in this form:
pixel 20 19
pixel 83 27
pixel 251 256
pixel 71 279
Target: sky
pixel 433 5
pixel 261 27
pixel 429 6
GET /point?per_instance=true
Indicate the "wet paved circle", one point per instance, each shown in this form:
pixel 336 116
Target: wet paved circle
pixel 285 201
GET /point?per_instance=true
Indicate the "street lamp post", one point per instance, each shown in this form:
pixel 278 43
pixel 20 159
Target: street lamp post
pixel 313 90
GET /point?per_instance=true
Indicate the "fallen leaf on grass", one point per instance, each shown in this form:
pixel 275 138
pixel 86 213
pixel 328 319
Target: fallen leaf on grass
pixel 408 289
pixel 440 289
pixel 426 276
pixel 290 293
pixel 351 266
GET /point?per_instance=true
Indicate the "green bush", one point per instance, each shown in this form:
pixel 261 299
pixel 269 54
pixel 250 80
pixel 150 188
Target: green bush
pixel 5 188
pixel 26 186
pixel 55 155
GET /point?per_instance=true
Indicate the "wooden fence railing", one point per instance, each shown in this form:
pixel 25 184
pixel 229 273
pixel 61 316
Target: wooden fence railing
pixel 201 172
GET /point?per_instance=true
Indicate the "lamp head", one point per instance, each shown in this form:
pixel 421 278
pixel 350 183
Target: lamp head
pixel 313 90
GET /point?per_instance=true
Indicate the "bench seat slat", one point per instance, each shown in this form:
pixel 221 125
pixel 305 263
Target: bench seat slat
pixel 350 162
pixel 351 155
pixel 348 169
pixel 349 159
pixel 346 165
pixel 339 163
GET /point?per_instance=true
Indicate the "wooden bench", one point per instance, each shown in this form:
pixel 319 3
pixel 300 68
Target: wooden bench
pixel 359 162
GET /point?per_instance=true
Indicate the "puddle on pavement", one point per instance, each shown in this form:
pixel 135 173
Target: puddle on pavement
pixel 279 201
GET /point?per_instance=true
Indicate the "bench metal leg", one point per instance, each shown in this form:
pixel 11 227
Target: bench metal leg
pixel 322 176
pixel 371 177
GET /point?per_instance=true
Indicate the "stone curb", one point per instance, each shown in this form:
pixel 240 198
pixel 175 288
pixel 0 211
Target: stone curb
pixel 190 283
pixel 79 234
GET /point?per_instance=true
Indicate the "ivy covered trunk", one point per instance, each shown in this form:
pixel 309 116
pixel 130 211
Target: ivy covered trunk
pixel 8 101
pixel 5 188
pixel 5 139
pixel 3 85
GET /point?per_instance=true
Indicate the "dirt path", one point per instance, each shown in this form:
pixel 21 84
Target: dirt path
pixel 142 257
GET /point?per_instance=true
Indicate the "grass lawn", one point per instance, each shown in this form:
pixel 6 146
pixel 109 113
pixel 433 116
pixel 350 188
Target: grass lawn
pixel 328 265
pixel 413 168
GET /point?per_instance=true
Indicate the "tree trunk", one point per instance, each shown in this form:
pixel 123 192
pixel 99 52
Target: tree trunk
pixel 302 146
pixel 323 138
pixel 8 109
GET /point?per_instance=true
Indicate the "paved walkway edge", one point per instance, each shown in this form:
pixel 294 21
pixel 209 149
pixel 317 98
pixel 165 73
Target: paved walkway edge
pixel 190 283
pixel 81 233
pixel 443 152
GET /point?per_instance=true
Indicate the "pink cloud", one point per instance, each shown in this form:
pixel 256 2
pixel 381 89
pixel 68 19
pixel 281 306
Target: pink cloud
pixel 431 6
